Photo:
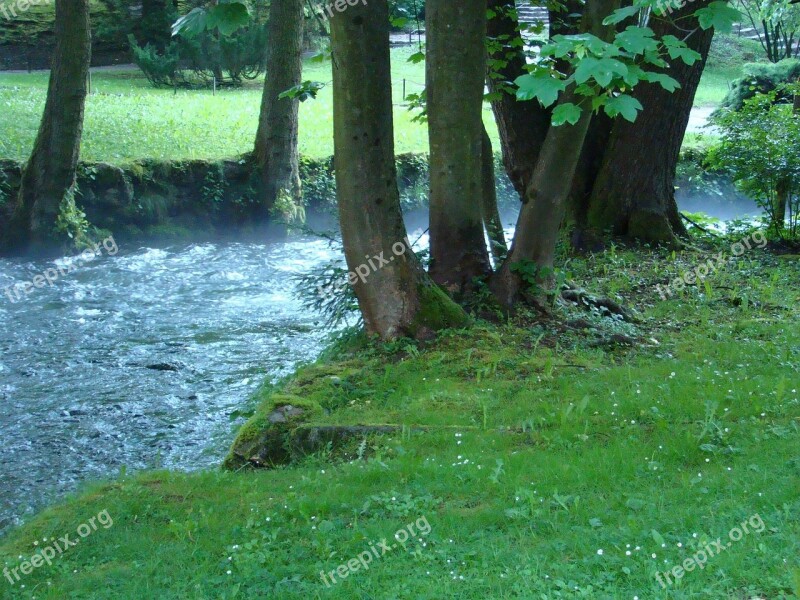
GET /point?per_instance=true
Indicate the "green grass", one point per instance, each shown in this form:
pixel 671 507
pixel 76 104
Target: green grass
pixel 128 120
pixel 714 85
pixel 555 449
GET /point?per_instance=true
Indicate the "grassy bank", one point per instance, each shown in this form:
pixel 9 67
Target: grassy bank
pixel 127 120
pixel 566 459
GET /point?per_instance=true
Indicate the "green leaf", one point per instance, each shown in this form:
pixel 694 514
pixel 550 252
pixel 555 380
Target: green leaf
pixel 230 17
pixel 619 15
pixel 602 70
pixel 636 40
pixel 624 105
pixel 191 24
pixel 541 86
pixel 657 537
pixel 226 16
pixel 665 81
pixel 678 49
pixel 566 113
pixel 719 15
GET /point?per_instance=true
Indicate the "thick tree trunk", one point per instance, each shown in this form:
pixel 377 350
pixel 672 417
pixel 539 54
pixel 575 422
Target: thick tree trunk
pixel 490 212
pixel 522 125
pixel 49 176
pixel 395 295
pixel 276 152
pixel 634 193
pixel 541 216
pixel 455 73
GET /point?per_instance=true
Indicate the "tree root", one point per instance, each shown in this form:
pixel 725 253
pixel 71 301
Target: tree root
pixel 606 306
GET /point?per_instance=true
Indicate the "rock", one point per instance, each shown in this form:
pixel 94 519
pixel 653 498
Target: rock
pixel 264 440
pixel 163 367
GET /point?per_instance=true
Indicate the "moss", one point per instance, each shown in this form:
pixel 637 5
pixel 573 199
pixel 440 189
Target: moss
pixel 651 227
pixel 437 311
pixel 264 439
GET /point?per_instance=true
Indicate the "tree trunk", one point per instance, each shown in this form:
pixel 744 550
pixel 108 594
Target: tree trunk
pixel 49 176
pixel 490 212
pixel 522 125
pixel 276 152
pixel 455 73
pixel 634 193
pixel 395 295
pixel 541 216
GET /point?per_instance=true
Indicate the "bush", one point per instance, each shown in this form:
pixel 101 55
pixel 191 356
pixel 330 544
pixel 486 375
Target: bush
pixel 763 78
pixel 729 51
pixel 199 60
pixel 758 147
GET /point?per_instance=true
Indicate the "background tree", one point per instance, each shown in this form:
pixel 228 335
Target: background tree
pixel 633 193
pixel 276 146
pixel 776 24
pixel 397 299
pixel 48 180
pixel 455 74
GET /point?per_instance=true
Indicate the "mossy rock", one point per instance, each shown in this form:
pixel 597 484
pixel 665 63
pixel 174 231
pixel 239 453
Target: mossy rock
pixel 264 441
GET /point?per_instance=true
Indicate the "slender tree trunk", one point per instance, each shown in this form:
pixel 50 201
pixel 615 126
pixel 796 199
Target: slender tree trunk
pixel 522 125
pixel 395 295
pixel 634 192
pixel 276 151
pixel 49 176
pixel 490 212
pixel 455 73
pixel 541 216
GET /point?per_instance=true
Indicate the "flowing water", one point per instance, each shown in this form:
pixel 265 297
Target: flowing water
pixel 137 360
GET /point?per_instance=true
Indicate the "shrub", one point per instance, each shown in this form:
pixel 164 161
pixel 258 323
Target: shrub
pixel 758 147
pixel 729 50
pixel 763 78
pixel 199 60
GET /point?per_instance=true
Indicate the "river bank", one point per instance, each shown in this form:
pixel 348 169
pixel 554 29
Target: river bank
pixel 533 449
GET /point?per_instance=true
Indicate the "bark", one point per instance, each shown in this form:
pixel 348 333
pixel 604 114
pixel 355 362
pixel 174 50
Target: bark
pixel 455 72
pixel 489 210
pixel 541 215
pixel 396 298
pixel 522 125
pixel 49 175
pixel 634 193
pixel 276 146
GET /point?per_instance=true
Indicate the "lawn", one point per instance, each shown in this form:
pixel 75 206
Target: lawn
pixel 127 119
pixel 559 462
